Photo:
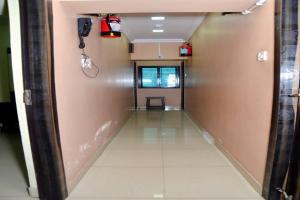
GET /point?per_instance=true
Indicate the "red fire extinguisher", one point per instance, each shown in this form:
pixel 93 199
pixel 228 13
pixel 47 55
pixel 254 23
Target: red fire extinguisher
pixel 110 26
pixel 185 49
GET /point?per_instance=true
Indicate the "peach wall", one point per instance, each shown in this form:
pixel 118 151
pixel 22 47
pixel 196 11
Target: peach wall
pixel 90 111
pixel 173 96
pixel 229 93
pixel 156 51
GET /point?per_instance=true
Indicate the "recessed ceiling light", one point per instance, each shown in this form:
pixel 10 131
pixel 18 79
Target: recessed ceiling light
pixel 158 18
pixel 158 31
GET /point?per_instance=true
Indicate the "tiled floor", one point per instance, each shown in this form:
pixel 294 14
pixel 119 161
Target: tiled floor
pixel 162 155
pixel 13 185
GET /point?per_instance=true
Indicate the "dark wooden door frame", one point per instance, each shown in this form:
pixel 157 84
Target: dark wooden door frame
pixel 182 78
pixel 283 131
pixel 293 179
pixel 37 41
pixel 135 80
pixel 38 69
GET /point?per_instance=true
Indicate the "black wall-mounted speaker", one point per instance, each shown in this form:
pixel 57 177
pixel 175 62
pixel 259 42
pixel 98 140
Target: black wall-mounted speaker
pixel 131 48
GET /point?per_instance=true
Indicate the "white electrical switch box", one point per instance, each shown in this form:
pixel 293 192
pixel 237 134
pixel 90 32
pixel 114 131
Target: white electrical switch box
pixel 263 56
pixel 86 62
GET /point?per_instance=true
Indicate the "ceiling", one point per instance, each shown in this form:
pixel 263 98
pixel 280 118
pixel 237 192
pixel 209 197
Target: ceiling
pixel 153 6
pixel 139 26
pixel 177 27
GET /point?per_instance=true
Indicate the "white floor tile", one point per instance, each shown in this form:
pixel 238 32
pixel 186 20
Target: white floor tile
pixel 172 132
pixel 109 182
pixel 162 154
pixel 106 198
pixel 74 198
pixel 193 158
pixel 13 184
pixel 215 199
pixel 131 158
pixel 138 143
pixel 206 182
pixel 140 132
pixel 178 143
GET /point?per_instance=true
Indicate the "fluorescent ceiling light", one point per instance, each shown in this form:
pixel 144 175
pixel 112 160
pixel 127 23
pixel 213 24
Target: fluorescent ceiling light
pixel 158 18
pixel 158 31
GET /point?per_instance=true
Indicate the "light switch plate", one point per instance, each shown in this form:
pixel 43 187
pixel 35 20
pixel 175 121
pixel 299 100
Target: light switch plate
pixel 263 56
pixel 86 62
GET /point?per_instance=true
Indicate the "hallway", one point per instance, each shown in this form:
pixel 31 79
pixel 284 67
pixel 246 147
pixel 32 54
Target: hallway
pixel 162 155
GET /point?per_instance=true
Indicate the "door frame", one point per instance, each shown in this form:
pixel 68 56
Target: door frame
pixel 282 132
pixel 16 62
pixel 182 83
pixel 135 82
pixel 42 115
pixel 38 76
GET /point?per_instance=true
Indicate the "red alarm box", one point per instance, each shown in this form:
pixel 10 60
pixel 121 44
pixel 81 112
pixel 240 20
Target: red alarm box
pixel 110 26
pixel 185 50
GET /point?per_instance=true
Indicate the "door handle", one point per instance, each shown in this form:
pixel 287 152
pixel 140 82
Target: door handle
pixel 285 195
pixel 294 95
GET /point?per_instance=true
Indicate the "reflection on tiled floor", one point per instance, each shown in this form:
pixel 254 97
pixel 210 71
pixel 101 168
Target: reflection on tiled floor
pixel 13 184
pixel 162 155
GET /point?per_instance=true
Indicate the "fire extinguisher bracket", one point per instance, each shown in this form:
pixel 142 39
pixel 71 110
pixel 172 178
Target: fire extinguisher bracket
pixel 111 34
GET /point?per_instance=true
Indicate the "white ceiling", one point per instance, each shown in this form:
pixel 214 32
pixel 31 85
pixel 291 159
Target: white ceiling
pixel 139 26
pixel 180 27
pixel 152 6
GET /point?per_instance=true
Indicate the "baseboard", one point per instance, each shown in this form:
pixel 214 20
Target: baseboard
pixel 244 172
pixel 90 163
pixel 236 164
